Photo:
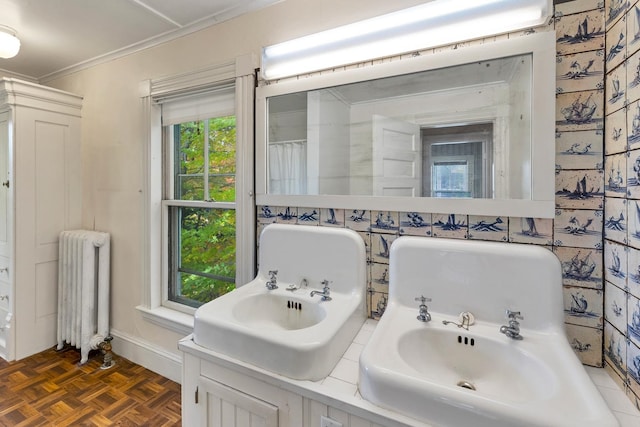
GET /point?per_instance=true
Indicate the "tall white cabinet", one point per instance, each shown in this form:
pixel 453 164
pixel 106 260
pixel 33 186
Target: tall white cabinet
pixel 40 195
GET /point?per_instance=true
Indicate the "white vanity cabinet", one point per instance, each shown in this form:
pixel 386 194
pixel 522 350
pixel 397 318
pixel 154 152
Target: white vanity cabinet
pixel 218 391
pixel 40 195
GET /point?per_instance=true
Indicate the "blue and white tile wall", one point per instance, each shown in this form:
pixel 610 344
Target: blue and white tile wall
pixel 597 95
pixel 621 249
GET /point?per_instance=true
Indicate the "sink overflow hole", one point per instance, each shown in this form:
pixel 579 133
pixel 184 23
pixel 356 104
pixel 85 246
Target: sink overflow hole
pixel 294 305
pixel 466 340
pixel 467 385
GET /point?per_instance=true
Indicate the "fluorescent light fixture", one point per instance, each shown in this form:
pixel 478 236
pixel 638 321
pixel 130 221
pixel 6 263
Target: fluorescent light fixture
pixel 436 23
pixel 9 43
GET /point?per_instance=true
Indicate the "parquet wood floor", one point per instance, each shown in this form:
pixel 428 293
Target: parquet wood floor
pixel 50 389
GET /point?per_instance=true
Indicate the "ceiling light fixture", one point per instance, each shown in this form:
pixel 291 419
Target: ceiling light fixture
pixel 435 23
pixel 9 43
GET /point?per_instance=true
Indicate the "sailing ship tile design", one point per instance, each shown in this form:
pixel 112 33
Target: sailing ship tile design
pixel 583 306
pixel 579 150
pixel 450 225
pixel 580 267
pixel 578 228
pixel 615 349
pixel 633 368
pixel 633 319
pixel 308 216
pixel 633 30
pixel 633 272
pixel 580 189
pixel 332 217
pixel 415 223
pixel 488 228
pixel 633 78
pixel 633 125
pixel 615 263
pixel 580 71
pixel 633 174
pixel 579 32
pixel 614 11
pixel 615 167
pixel 380 246
pixel 615 306
pixel 587 344
pixel 616 44
pixel 615 220
pixel 580 110
pixel 616 86
pixel 633 214
pixel 378 303
pixel 538 231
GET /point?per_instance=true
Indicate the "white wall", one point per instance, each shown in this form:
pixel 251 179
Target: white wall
pixel 113 141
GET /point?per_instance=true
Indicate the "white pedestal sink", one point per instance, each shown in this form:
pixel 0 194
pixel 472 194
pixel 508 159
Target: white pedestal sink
pixel 450 376
pixel 286 330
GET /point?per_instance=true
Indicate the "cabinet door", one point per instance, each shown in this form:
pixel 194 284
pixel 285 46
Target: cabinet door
pixel 5 194
pixel 222 406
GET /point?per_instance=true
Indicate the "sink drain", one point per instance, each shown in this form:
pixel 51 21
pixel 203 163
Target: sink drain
pixel 467 385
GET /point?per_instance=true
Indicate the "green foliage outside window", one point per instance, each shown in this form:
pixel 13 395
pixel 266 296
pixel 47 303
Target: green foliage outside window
pixel 207 258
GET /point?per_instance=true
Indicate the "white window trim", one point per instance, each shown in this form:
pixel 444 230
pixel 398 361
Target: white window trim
pixel 154 307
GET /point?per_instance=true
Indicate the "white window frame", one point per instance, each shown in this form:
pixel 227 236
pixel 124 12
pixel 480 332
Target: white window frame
pixel 155 305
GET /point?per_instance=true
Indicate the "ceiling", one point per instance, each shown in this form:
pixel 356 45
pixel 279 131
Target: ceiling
pixel 58 36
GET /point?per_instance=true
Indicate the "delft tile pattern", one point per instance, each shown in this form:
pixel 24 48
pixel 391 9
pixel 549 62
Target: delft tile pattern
pixel 615 132
pixel 614 11
pixel 586 342
pixel 578 228
pixel 580 110
pixel 488 228
pixel 579 32
pixel 451 226
pixel 415 224
pixel 583 189
pixel 538 231
pixel 615 349
pixel 615 220
pixel 633 272
pixel 621 252
pixel 615 263
pixel 582 70
pixel 580 150
pixel 616 44
pixel 616 89
pixel 580 267
pixel 632 66
pixel 615 168
pixel 583 307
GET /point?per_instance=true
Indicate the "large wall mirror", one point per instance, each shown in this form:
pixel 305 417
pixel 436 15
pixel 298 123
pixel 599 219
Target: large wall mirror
pixel 468 130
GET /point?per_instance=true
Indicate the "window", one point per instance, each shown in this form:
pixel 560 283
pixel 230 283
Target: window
pixel 200 209
pixel 200 212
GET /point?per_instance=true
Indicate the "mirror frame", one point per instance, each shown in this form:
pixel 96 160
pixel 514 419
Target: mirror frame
pixel 542 167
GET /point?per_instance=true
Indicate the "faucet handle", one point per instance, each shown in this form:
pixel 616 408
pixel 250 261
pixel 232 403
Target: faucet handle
pixel 325 283
pixel 422 299
pixel 513 315
pixel 272 274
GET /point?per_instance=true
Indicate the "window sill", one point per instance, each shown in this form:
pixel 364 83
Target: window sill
pixel 167 318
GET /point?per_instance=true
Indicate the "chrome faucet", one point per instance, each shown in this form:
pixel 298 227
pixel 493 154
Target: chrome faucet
pixel 325 291
pixel 513 330
pixel 423 310
pixel 273 280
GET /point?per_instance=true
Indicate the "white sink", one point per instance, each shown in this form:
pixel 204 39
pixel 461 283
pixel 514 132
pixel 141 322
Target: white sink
pixel 285 331
pixel 450 376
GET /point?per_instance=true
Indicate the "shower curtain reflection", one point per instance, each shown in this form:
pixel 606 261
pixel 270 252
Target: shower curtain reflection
pixel 288 167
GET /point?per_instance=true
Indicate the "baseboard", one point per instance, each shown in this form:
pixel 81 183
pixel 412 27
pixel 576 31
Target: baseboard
pixel 146 354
